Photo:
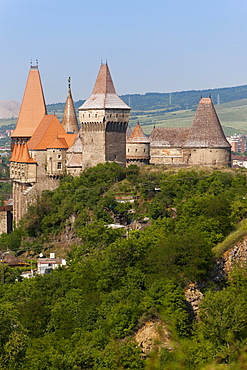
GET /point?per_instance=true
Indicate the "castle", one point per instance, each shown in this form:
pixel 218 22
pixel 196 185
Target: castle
pixel 43 149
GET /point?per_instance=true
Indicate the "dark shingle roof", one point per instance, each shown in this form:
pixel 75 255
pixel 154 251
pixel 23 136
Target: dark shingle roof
pixel 206 130
pixel 169 136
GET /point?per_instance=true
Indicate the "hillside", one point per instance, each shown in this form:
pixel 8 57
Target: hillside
pixel 164 110
pixel 9 109
pixel 125 292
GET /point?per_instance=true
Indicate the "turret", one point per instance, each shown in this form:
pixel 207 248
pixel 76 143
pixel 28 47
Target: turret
pixel 137 147
pixel 104 119
pixel 70 123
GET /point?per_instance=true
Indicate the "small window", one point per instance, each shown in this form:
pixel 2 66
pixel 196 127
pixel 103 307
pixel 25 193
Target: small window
pixel 136 150
pixel 95 115
pixel 89 115
pixel 144 150
pixel 59 156
pixel 59 165
pixel 128 150
pixel 117 115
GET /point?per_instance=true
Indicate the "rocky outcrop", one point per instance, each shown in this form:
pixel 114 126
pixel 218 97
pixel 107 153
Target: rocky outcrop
pixel 153 335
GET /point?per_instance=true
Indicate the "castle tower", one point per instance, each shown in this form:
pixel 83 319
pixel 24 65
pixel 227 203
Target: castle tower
pixel 206 143
pixel 39 148
pixel 137 147
pixel 104 119
pixel 33 108
pixel 70 123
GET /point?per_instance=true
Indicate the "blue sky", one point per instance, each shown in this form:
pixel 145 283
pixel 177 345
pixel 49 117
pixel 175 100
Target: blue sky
pixel 150 46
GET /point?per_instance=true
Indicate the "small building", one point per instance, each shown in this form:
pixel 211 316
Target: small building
pixel 46 265
pixel 137 147
pixel 203 144
pixel 239 161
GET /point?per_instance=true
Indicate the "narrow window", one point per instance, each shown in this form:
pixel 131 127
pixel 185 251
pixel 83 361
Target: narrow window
pixel 59 165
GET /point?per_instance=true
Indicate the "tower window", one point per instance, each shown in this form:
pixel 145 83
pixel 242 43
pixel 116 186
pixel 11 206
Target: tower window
pixel 59 165
pixel 59 156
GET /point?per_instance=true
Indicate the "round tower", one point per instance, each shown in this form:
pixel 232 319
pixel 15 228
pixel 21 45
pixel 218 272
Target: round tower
pixel 137 147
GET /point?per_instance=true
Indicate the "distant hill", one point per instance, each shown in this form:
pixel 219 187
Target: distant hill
pixel 9 109
pixel 173 101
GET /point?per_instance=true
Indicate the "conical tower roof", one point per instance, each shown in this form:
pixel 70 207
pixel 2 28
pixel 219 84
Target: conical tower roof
pixel 33 107
pixel 138 136
pixel 24 156
pixel 70 123
pixel 206 130
pixel 104 95
pixel 14 153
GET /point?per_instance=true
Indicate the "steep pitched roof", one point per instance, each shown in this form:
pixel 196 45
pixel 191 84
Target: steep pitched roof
pixel 169 136
pixel 104 94
pixel 206 130
pixel 77 145
pixel 58 143
pixel 33 106
pixel 138 136
pixel 48 129
pixel 14 153
pixel 70 123
pixel 75 160
pixel 69 138
pixel 21 154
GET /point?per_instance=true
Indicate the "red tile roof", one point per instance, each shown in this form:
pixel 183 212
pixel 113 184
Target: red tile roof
pixel 33 106
pixel 48 129
pixel 138 136
pixel 58 144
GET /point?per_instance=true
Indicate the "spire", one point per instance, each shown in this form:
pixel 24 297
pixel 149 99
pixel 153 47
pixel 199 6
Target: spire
pixel 138 136
pixel 70 123
pixel 24 156
pixel 33 106
pixel 206 130
pixel 104 83
pixel 14 153
pixel 104 94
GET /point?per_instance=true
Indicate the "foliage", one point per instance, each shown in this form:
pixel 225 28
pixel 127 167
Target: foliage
pixel 85 316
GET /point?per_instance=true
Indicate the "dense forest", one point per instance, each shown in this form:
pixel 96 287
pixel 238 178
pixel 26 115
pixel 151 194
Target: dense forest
pixel 86 315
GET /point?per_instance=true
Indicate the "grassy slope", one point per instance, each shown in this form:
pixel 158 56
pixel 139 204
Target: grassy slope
pixel 233 117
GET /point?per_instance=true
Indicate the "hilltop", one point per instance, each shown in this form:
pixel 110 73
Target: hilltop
pixel 9 109
pixel 166 109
